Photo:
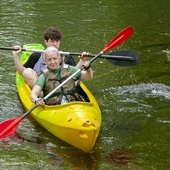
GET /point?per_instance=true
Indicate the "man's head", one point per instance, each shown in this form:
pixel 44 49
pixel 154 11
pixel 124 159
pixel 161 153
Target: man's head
pixel 52 37
pixel 52 58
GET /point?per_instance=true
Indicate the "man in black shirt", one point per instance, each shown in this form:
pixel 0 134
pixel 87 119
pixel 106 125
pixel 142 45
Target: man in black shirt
pixel 34 66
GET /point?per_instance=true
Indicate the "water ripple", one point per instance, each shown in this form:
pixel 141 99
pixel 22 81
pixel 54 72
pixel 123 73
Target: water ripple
pixel 136 98
pixel 150 89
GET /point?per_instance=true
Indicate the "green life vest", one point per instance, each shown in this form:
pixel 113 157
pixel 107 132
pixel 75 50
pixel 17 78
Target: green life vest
pixel 67 91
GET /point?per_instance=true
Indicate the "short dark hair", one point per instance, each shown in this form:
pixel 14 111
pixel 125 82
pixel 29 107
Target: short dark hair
pixel 53 34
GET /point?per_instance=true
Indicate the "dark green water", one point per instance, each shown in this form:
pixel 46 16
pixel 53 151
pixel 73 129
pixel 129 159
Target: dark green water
pixel 134 100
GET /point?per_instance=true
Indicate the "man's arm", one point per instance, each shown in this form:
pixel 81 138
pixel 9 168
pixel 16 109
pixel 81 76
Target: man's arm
pixel 19 67
pixel 82 58
pixel 35 93
pixel 30 63
pixel 87 74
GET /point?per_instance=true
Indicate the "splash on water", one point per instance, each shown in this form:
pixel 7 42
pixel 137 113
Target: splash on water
pixel 143 99
pixel 148 90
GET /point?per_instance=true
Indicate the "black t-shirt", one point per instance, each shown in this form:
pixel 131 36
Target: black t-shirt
pixel 70 60
pixel 34 57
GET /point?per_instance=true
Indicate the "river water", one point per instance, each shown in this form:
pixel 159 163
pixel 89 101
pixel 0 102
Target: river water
pixel 134 100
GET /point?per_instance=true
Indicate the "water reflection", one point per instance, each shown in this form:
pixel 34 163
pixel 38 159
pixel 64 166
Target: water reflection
pixel 134 101
pixel 120 158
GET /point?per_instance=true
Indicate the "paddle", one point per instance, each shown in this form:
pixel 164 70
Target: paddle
pixel 9 127
pixel 119 57
pixel 125 58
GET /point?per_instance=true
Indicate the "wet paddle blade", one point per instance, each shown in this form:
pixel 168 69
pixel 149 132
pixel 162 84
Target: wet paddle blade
pixel 116 41
pixel 127 58
pixel 119 39
pixel 9 127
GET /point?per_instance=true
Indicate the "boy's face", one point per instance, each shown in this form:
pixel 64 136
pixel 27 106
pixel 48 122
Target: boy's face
pixel 55 43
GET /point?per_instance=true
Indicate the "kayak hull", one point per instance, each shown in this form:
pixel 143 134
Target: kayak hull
pixel 77 123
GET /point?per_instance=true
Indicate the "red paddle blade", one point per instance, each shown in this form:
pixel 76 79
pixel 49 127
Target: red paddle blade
pixel 9 127
pixel 119 39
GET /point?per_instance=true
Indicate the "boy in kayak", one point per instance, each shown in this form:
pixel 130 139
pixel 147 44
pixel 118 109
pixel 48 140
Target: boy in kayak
pixel 54 75
pixel 35 65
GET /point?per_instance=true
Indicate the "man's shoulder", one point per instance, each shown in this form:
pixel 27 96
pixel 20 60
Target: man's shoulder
pixel 34 57
pixel 70 60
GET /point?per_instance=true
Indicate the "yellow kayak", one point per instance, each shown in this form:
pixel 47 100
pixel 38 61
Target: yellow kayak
pixel 77 123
